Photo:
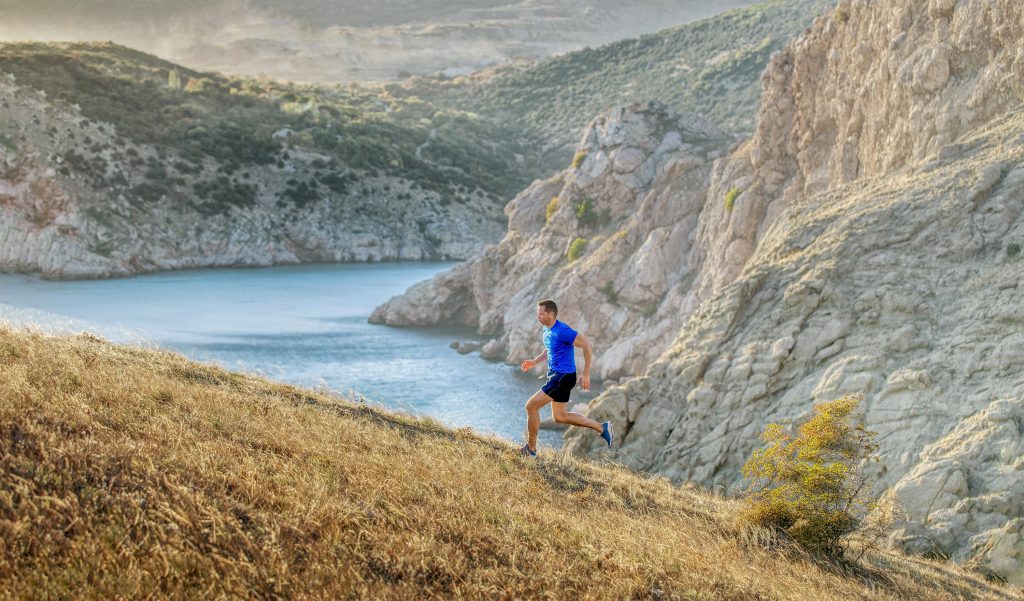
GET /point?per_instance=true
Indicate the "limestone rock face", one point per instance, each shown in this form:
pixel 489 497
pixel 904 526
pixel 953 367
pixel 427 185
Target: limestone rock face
pixel 57 220
pixel 634 195
pixel 904 288
pixel 872 244
pixel 970 480
pixel 870 88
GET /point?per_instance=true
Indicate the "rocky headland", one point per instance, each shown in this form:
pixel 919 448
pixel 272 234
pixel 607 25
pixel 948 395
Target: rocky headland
pixel 83 197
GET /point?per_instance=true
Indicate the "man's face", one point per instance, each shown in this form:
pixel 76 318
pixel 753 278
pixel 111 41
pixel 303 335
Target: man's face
pixel 544 317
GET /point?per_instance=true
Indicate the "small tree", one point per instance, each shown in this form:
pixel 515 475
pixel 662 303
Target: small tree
pixel 813 486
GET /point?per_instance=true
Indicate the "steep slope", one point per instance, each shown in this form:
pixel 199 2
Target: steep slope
pixel 115 162
pixel 127 472
pixel 876 238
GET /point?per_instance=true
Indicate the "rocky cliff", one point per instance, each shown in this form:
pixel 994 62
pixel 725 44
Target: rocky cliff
pixel 867 238
pixel 873 245
pixel 80 199
pixel 630 205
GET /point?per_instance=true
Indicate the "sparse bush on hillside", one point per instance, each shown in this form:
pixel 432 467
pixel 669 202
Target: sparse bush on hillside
pixel 813 486
pixel 576 248
pixel 8 141
pixel 730 198
pixel 1012 249
pixel 196 116
pixel 671 65
pixel 608 290
pixel 587 216
pixel 552 207
pixel 578 159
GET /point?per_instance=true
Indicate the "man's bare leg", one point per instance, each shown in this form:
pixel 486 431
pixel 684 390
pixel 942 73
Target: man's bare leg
pixel 533 407
pixel 564 416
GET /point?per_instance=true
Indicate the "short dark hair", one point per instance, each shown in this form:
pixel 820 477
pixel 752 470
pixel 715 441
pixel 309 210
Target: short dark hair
pixel 549 306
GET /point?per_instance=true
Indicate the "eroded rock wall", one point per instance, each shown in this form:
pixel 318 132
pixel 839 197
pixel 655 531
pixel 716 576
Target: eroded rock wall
pixel 634 195
pixel 873 245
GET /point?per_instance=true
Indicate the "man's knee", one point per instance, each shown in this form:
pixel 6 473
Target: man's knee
pixel 536 402
pixel 561 417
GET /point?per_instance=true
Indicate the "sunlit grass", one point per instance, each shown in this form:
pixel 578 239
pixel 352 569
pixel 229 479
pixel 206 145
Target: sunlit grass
pixel 127 472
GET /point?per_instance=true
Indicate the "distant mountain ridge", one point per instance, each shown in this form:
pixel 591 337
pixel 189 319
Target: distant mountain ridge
pixel 328 42
pixel 711 67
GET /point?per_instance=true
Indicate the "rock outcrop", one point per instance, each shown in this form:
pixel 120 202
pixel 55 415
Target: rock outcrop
pixel 633 198
pixel 77 200
pixel 970 481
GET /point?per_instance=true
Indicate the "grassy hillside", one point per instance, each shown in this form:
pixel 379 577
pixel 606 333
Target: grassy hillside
pixel 232 121
pixel 711 67
pixel 127 472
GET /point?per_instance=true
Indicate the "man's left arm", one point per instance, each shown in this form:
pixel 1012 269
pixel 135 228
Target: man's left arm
pixel 588 354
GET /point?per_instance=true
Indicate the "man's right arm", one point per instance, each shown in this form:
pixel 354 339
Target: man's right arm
pixel 530 363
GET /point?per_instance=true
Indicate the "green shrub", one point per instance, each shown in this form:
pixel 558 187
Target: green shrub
pixel 1012 249
pixel 578 159
pixel 730 198
pixel 577 248
pixel 842 16
pixel 8 141
pixel 609 292
pixel 813 486
pixel 552 207
pixel 587 216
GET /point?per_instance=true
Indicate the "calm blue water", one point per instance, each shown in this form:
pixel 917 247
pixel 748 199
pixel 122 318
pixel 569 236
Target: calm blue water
pixel 300 324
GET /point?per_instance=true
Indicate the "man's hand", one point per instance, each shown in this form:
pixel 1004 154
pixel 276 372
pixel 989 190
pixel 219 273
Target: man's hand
pixel 585 381
pixel 528 365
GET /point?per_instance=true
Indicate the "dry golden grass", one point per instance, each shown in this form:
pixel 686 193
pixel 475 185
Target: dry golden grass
pixel 132 473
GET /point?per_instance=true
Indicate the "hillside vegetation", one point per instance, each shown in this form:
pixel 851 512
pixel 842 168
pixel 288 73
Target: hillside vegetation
pixel 114 162
pixel 711 67
pixel 233 120
pixel 127 472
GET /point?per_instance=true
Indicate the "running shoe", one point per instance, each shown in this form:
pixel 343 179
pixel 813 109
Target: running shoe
pixel 526 452
pixel 606 433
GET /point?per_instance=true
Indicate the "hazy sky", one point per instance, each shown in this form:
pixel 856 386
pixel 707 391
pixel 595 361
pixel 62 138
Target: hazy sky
pixel 344 40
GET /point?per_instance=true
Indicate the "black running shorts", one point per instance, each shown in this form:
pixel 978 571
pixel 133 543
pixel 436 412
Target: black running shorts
pixel 559 385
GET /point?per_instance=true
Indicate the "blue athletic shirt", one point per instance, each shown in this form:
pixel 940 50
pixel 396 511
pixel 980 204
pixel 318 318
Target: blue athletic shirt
pixel 558 340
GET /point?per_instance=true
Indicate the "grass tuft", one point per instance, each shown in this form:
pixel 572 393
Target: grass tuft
pixel 551 208
pixel 730 198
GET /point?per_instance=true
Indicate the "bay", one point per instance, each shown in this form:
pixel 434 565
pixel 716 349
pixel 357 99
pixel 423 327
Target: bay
pixel 305 325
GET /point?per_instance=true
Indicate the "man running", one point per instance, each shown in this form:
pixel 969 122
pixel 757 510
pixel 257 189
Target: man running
pixel 559 340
